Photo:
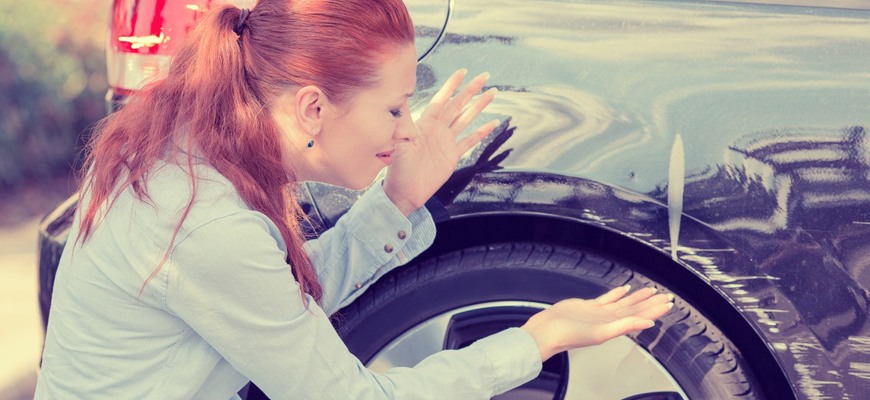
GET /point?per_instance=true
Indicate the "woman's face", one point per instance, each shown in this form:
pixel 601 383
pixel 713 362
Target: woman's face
pixel 357 138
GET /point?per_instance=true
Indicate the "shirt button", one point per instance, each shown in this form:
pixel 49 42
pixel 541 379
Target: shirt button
pixel 358 285
pixel 388 248
pixel 402 235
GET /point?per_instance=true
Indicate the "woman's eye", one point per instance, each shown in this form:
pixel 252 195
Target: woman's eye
pixel 396 113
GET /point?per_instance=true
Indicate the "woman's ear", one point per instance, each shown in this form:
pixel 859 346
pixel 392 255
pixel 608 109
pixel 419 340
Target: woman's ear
pixel 310 101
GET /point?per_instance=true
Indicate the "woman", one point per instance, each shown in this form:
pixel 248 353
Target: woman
pixel 177 284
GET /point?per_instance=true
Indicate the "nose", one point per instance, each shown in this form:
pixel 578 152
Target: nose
pixel 406 129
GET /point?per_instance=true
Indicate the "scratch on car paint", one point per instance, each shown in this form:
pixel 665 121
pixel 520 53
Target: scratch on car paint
pixel 860 370
pixel 814 388
pixel 766 310
pixel 701 260
pixel 748 299
pixel 764 316
pixel 752 277
pixel 809 382
pixel 861 222
pixel 719 276
pixel 860 343
pixel 712 273
pixel 695 250
pixel 595 218
pixel 639 234
pixel 676 184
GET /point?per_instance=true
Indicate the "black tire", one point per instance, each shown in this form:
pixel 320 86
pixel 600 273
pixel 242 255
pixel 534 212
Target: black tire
pixel 695 353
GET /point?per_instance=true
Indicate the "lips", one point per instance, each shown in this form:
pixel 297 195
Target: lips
pixel 386 157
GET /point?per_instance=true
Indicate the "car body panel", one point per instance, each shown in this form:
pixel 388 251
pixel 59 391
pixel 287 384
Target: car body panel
pixel 771 104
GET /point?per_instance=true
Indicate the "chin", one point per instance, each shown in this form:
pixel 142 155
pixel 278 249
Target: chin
pixel 359 183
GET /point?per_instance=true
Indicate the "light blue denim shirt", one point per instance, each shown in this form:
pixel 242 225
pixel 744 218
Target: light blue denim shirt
pixel 225 308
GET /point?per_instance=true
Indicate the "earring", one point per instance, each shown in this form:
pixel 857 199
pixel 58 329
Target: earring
pixel 311 143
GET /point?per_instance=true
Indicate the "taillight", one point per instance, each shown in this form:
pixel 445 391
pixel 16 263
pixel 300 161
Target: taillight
pixel 144 35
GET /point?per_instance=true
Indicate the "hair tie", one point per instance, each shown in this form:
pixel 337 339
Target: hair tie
pixel 240 26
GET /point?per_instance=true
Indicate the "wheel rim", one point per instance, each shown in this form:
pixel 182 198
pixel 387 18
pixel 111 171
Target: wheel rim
pixel 618 369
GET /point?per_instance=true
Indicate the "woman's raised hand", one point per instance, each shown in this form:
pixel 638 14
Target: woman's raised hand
pixel 422 164
pixel 574 323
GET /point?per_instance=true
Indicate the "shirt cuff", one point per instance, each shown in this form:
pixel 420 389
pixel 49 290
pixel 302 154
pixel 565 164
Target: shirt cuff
pixel 514 356
pixel 385 231
pixel 423 233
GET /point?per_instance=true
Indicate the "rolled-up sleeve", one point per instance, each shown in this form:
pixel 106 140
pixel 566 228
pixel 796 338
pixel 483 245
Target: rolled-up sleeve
pixel 371 239
pixel 229 282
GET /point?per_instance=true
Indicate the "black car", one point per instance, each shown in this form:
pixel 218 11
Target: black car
pixel 716 150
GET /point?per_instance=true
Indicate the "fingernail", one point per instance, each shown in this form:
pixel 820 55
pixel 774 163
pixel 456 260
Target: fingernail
pixel 495 122
pixel 670 306
pixel 670 297
pixel 653 290
pixel 627 288
pixel 649 324
pixel 463 71
pixel 485 75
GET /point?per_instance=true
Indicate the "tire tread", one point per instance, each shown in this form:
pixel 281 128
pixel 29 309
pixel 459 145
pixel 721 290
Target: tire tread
pixel 682 337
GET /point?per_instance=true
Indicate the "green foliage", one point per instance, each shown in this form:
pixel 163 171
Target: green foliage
pixel 52 84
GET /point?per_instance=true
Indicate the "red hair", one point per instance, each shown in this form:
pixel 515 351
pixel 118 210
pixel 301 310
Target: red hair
pixel 215 102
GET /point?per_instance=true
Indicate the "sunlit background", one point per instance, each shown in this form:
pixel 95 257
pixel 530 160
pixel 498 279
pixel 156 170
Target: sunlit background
pixel 52 84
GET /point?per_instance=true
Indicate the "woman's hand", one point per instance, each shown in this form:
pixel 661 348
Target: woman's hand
pixel 575 323
pixel 421 165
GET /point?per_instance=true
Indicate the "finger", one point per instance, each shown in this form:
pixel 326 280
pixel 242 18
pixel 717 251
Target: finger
pixel 473 111
pixel 440 99
pixel 638 308
pixel 636 297
pixel 655 311
pixel 623 326
pixel 455 105
pixel 612 295
pixel 475 138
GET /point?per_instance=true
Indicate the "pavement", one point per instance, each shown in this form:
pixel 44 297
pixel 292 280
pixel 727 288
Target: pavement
pixel 20 326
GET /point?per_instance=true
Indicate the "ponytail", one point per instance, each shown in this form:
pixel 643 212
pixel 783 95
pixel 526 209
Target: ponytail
pixel 206 107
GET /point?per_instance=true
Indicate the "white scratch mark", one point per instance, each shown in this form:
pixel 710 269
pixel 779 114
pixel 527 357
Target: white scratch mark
pixel 860 343
pixel 860 370
pixel 676 183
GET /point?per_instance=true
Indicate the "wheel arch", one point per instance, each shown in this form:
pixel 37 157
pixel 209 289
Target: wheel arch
pixel 495 227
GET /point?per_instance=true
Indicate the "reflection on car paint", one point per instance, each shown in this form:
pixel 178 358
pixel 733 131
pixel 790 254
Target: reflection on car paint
pixel 776 157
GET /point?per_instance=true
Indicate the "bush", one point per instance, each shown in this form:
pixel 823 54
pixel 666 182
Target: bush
pixel 52 85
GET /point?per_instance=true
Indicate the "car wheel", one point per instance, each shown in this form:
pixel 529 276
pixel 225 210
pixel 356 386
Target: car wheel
pixel 450 301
